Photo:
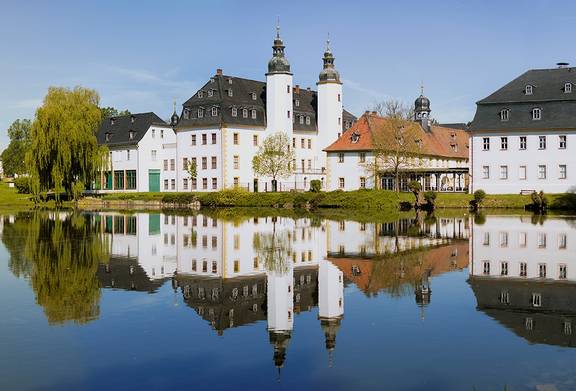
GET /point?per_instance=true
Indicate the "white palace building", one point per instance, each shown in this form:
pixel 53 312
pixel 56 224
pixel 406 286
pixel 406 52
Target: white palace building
pixel 221 128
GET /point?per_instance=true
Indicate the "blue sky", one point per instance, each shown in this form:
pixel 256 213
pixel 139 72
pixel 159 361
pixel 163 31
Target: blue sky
pixel 142 55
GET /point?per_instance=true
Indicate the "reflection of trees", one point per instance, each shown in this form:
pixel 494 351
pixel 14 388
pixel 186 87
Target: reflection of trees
pixel 60 255
pixel 274 249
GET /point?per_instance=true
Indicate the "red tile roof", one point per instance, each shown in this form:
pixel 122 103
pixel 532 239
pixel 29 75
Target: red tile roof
pixel 436 142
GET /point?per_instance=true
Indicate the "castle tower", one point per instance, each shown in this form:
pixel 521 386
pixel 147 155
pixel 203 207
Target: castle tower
pixel 422 110
pixel 279 113
pixel 329 104
pixel 330 303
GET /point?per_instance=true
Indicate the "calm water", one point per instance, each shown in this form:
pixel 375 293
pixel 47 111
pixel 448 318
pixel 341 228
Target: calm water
pixel 153 301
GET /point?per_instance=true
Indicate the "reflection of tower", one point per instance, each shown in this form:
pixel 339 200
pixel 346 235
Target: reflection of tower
pixel 330 302
pixel 423 292
pixel 280 303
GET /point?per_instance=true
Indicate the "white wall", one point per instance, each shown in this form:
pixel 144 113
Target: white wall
pixel 513 158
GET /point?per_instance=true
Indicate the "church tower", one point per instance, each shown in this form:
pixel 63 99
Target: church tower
pixel 330 303
pixel 422 110
pixel 279 112
pixel 329 104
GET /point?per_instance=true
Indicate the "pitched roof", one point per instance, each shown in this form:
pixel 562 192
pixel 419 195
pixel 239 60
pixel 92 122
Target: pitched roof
pixel 438 141
pixel 119 128
pixel 558 108
pixel 215 93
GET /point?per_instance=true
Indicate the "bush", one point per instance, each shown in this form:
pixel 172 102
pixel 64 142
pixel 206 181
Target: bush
pixel 539 201
pixel 23 184
pixel 315 185
pixel 479 196
pixel 430 197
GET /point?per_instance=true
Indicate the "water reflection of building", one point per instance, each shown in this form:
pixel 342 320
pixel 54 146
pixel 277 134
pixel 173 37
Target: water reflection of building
pixel 238 272
pixel 523 274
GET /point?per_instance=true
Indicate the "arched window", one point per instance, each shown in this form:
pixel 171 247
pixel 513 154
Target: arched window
pixel 528 90
pixel 245 113
pixel 234 112
pixel 253 113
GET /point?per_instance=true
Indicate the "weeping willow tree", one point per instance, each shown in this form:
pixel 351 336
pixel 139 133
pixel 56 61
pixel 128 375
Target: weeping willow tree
pixel 274 248
pixel 59 254
pixel 64 155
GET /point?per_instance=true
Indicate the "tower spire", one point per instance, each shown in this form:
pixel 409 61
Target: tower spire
pixel 278 63
pixel 277 27
pixel 328 44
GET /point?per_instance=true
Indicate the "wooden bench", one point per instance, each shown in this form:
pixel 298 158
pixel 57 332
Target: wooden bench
pixel 527 192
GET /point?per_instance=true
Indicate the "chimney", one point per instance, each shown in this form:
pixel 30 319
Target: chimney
pixel 308 89
pixel 297 89
pixel 219 72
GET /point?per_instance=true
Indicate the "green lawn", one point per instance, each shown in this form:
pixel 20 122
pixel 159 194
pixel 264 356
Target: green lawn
pixel 9 197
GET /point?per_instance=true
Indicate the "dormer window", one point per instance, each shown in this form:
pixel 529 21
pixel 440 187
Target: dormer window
pixel 200 94
pixel 245 113
pixel 307 120
pixel 536 114
pixel 108 136
pixel 234 112
pixel 131 135
pixel 230 93
pixel 200 113
pixel 297 102
pixel 214 111
pixel 253 96
pixel 354 138
pixel 528 90
pixel 210 93
pixel 504 114
pixel 186 114
pixel 301 119
pixel 568 88
pixel 212 80
pixel 253 113
pixel 229 81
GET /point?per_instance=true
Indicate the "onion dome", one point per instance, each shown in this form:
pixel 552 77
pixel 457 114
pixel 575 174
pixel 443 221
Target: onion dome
pixel 174 119
pixel 329 73
pixel 421 105
pixel 278 63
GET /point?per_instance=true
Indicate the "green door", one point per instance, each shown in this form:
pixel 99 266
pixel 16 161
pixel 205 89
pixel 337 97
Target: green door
pixel 153 180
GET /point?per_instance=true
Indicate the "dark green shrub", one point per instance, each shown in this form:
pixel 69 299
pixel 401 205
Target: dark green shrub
pixel 430 197
pixel 22 184
pixel 539 202
pixel 315 185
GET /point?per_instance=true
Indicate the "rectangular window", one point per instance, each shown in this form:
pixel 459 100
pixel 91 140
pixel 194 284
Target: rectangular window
pixel 522 239
pixel 173 184
pixel 523 269
pixel 153 155
pixel 185 163
pixel 562 142
pixel 503 143
pixel 542 142
pixel 309 164
pixel 536 299
pixel 309 143
pixel 213 138
pixel 562 242
pixel 504 268
pixel 541 172
pixel 236 266
pixel 255 140
pixel 563 172
pixel 204 139
pixel 486 268
pixel 253 114
pixel 131 179
pixel 194 183
pixel 165 184
pixel 503 239
pixel 213 162
pixel 193 139
pixel 127 154
pixel 236 162
pixel 542 270
pixel 541 240
pixel 562 272
pixel 236 181
pixel 214 183
pixel 523 142
pixel 340 157
pixel 118 179
pixel 288 113
pixel 503 172
pixel 302 141
pixel 362 182
pixel 165 164
pixel 341 183
pixel 362 157
pixel 204 163
pixel 172 164
pixel 205 183
pixel 486 172
pixel 504 297
pixel 486 239
pixel 236 242
pixel 235 139
pixel 185 183
pixel 522 172
pixel 486 143
pixel 234 112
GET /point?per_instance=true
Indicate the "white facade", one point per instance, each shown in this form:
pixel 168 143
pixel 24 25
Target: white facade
pixel 523 161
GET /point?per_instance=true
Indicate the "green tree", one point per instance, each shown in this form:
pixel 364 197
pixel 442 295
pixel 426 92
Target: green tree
pixel 19 133
pixel 274 158
pixel 112 112
pixel 64 155
pixel 191 169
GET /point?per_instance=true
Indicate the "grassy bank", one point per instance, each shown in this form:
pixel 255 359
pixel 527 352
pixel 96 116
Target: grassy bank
pixel 9 198
pixel 360 199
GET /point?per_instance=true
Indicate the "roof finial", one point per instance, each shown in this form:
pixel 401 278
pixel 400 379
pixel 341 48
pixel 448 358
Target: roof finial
pixel 328 43
pixel 278 27
pixel 421 87
pixel 174 102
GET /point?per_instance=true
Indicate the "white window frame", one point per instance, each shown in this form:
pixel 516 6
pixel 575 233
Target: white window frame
pixel 528 90
pixel 567 88
pixel 234 112
pixel 541 171
pixel 253 113
pixel 536 114
pixel 503 172
pixel 214 111
pixel 523 143
pixel 562 141
pixel 244 113
pixel 562 171
pixel 522 172
pixel 485 172
pixel 504 143
pixel 542 142
pixel 485 143
pixel 504 115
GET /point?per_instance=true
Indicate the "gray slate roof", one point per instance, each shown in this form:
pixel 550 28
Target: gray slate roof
pixel 558 108
pixel 242 90
pixel 119 128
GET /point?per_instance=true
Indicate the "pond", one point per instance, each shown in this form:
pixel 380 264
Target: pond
pixel 228 300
